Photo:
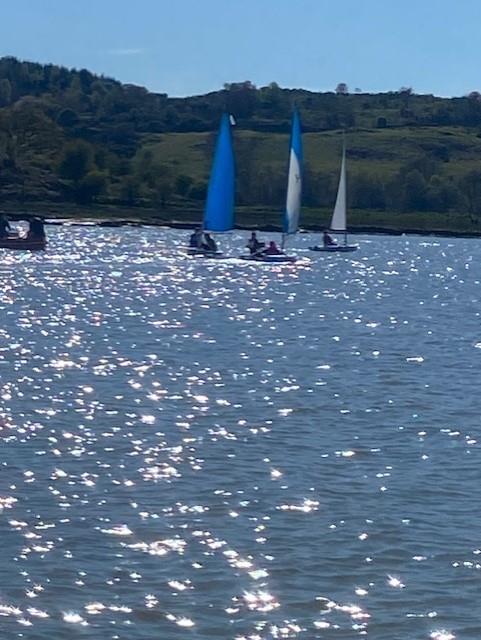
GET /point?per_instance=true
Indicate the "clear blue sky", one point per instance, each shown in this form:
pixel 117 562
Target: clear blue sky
pixel 185 47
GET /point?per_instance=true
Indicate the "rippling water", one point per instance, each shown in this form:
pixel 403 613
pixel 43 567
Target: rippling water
pixel 218 449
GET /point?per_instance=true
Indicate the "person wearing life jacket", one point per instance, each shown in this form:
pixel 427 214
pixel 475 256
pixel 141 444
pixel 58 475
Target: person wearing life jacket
pixel 36 228
pixel 4 226
pixel 209 243
pixel 272 249
pixel 254 245
pixel 327 240
pixel 195 241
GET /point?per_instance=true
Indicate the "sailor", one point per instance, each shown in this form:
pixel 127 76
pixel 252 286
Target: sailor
pixel 272 249
pixel 209 243
pixel 196 239
pixel 254 245
pixel 4 226
pixel 327 240
pixel 36 228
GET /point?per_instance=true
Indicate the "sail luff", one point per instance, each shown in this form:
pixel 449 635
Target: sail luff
pixel 294 178
pixel 219 207
pixel 338 221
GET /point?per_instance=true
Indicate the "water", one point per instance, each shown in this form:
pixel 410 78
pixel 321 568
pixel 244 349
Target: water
pixel 217 449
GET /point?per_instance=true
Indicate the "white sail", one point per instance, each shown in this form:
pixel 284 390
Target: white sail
pixel 294 191
pixel 338 222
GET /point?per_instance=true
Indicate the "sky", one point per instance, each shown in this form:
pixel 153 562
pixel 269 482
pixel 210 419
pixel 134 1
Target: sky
pixel 190 47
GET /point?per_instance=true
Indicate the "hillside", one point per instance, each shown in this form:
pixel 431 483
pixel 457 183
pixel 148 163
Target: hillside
pixel 70 137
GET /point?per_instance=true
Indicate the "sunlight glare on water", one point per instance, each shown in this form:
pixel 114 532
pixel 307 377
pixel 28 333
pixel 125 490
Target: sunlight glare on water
pixel 218 449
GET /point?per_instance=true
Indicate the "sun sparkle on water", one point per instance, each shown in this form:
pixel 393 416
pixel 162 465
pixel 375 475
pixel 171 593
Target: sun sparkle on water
pixel 194 446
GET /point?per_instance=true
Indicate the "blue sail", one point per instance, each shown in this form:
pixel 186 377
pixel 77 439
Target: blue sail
pixel 219 207
pixel 294 178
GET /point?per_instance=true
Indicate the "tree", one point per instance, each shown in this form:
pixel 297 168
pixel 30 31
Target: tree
pixel 130 190
pixel 366 192
pixel 75 161
pixel 272 96
pixel 442 195
pixel 90 187
pixel 198 191
pixel 67 118
pixel 183 184
pixel 11 152
pixel 318 189
pixel 5 92
pixel 425 164
pixel 241 98
pixel 342 89
pixel 164 190
pixel 471 187
pixel 414 197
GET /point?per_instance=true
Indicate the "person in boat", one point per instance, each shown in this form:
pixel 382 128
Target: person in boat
pixel 254 245
pixel 36 228
pixel 195 241
pixel 209 243
pixel 272 249
pixel 327 240
pixel 5 227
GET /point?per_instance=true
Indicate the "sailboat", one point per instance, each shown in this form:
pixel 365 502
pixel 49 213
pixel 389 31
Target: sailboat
pixel 219 206
pixel 293 198
pixel 338 220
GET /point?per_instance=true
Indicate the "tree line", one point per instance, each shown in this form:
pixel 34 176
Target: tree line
pixel 72 135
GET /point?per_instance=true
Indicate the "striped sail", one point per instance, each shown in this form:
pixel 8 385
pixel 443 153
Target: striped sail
pixel 294 178
pixel 219 207
pixel 338 222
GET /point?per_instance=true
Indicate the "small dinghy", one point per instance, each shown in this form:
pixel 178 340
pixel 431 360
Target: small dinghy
pixel 293 199
pixel 34 240
pixel 272 258
pixel 339 217
pixel 204 253
pixel 23 244
pixel 335 248
pixel 219 206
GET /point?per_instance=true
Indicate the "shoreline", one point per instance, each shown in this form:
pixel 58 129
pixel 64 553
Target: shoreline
pixel 251 219
pixel 176 224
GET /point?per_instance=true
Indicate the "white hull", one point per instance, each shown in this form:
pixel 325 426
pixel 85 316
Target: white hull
pixel 203 253
pixel 273 259
pixel 336 248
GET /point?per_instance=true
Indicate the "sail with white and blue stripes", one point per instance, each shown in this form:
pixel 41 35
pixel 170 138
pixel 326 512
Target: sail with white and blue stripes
pixel 219 207
pixel 294 178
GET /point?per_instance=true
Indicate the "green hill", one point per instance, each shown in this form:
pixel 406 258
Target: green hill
pixel 71 139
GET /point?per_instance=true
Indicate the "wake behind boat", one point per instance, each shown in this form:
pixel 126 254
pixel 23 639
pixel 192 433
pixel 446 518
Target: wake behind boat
pixel 339 216
pixel 219 206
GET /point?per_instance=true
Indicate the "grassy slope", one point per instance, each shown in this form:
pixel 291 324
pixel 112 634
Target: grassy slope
pixel 379 152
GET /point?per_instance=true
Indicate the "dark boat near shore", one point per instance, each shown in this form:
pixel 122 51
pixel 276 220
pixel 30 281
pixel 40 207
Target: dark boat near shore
pixel 23 244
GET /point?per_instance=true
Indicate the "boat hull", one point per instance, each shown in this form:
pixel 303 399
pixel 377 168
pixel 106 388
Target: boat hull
pixel 273 259
pixel 23 244
pixel 336 248
pixel 202 253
